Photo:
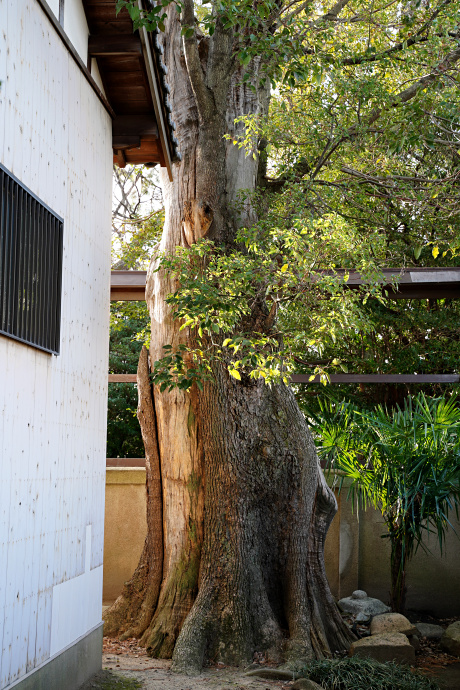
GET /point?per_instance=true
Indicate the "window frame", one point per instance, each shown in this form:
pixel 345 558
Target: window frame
pixel 38 325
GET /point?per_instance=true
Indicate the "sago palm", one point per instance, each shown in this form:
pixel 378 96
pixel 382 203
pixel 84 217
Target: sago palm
pixel 405 462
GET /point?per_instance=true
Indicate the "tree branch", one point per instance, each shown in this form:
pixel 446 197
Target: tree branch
pixel 399 99
pixel 419 37
pixel 333 13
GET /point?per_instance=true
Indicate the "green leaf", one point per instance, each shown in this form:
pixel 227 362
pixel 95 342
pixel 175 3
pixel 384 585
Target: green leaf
pixel 188 31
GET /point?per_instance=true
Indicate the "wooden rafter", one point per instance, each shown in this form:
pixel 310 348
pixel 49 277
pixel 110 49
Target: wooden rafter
pixel 114 44
pixel 134 80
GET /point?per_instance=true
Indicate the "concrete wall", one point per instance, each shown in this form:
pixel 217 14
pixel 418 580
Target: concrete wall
pixel 55 136
pixel 125 527
pixel 356 555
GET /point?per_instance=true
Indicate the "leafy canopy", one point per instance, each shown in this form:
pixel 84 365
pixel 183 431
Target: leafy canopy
pixel 359 169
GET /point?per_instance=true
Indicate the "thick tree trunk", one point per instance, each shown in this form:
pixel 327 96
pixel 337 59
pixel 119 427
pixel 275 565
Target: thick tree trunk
pixel 267 510
pixel 245 508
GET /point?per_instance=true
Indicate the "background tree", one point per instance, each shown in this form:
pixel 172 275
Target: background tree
pixel 137 224
pixel 405 463
pixel 238 508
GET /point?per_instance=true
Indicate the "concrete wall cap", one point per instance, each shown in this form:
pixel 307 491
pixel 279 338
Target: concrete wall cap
pixel 125 475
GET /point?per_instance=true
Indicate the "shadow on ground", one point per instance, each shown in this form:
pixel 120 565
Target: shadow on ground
pixel 107 680
pixel 449 677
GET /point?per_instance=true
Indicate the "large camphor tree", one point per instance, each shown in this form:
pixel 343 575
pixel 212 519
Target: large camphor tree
pixel 237 505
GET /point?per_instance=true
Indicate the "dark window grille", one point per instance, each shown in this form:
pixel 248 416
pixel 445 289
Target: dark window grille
pixel 30 266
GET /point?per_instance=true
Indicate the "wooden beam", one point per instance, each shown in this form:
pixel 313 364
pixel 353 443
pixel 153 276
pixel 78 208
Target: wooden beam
pixel 122 378
pixel 414 283
pixel 127 286
pixel 120 158
pixel 114 44
pixel 126 142
pixel 148 50
pixel 380 378
pixel 125 462
pixel 135 125
pixel 341 378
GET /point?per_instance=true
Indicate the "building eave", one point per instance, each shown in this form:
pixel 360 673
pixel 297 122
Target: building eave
pixel 133 76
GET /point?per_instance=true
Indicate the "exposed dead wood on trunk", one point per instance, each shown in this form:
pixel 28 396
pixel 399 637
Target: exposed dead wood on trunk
pixel 132 612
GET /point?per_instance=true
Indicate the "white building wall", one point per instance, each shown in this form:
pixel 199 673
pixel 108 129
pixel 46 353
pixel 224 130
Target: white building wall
pixel 76 27
pixel 54 7
pixel 55 136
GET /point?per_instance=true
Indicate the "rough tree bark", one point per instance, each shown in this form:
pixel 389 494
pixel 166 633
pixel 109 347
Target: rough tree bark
pixel 244 505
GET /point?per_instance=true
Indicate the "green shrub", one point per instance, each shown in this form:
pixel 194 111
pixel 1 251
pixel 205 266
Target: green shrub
pixel 365 674
pixel 404 462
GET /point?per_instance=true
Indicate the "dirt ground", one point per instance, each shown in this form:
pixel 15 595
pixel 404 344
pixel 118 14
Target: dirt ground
pixel 131 662
pixel 155 674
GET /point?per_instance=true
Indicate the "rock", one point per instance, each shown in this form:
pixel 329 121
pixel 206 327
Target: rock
pixel 414 640
pixel 362 617
pixel 430 631
pixel 306 684
pixel 359 594
pixel 359 602
pixel 392 622
pixel 385 647
pixel 272 673
pixel 450 641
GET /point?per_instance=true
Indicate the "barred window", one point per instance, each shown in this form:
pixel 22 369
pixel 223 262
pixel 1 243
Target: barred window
pixel 30 266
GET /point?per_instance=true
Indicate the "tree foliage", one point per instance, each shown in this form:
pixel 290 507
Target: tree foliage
pixel 359 169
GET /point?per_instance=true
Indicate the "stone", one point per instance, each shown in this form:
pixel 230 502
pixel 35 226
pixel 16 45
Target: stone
pixel 359 602
pixel 392 622
pixel 414 641
pixel 385 647
pixel 430 631
pixel 272 673
pixel 362 617
pixel 359 594
pixel 306 684
pixel 450 641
